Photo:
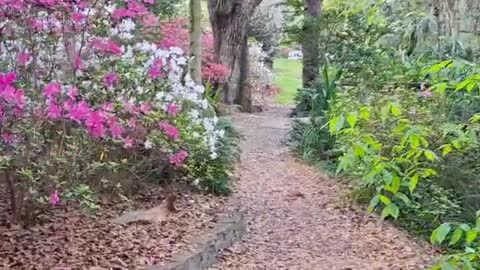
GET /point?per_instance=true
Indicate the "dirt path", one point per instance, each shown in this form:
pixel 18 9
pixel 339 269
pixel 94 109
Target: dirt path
pixel 293 221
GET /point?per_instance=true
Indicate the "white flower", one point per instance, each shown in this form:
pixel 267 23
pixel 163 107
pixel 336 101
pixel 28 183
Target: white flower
pixel 213 155
pixel 148 144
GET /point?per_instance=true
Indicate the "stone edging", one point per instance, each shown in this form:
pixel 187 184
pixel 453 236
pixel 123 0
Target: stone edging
pixel 208 247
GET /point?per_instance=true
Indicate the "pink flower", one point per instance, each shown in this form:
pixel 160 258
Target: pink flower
pixel 107 107
pixel 116 129
pixel 172 109
pixel 52 90
pixel 23 58
pixel 8 138
pixel 77 17
pixel 78 63
pixel 37 25
pixel 178 158
pixel 150 21
pixel 215 72
pixel 132 122
pixel 138 8
pixel 54 198
pixel 79 112
pixel 107 46
pixel 129 107
pixel 53 110
pixel 73 93
pixel 145 108
pixel 121 13
pixel 110 79
pixel 149 1
pixel 7 79
pixel 127 142
pixel 154 72
pixel 94 123
pixel 170 130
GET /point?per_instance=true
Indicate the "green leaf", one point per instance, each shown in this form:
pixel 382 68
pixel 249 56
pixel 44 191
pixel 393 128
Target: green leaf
pixel 396 184
pixel 436 68
pixel 447 149
pixel 463 84
pixel 385 200
pixel 373 203
pixel 336 124
pixel 440 233
pixel 430 155
pixel 413 183
pixel 364 113
pixel 440 87
pixel 471 236
pixel 456 144
pixel 387 177
pixel 391 210
pixel 457 235
pixel 352 119
pixel 359 151
pixel 471 86
pixel 465 227
pixel 475 118
pixel 402 197
pixel 414 140
pixel 448 266
pixel 395 109
pixel 467 265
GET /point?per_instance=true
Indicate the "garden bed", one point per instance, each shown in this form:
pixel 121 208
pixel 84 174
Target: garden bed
pixel 68 238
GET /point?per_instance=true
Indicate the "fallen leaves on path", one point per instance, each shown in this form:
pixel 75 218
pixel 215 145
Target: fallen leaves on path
pixel 294 218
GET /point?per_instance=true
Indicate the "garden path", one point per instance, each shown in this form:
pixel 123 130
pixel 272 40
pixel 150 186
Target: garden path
pixel 295 221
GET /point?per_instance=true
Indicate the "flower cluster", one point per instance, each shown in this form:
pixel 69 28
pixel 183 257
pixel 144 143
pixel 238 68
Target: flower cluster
pixel 94 90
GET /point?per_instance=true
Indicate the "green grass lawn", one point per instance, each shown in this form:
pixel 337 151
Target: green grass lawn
pixel 288 76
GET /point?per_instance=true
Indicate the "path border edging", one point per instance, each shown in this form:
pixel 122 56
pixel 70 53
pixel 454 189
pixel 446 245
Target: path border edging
pixel 208 248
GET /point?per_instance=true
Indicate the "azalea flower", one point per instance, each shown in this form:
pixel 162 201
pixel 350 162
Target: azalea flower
pixel 79 112
pixel 145 108
pixel 52 90
pixel 127 143
pixel 110 79
pixel 172 109
pixel 73 92
pixel 54 198
pixel 170 130
pixel 179 158
pixel 53 111
pixel 77 17
pixel 150 21
pixel 8 138
pixel 23 58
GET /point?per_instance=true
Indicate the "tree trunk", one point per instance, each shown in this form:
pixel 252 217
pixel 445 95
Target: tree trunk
pixel 310 46
pixel 195 66
pixel 229 19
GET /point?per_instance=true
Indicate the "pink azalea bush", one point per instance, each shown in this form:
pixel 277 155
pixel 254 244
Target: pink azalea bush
pixel 87 92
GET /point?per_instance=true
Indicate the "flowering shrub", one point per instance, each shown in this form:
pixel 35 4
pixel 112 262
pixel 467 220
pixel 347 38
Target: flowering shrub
pixel 176 34
pixel 261 77
pixel 87 94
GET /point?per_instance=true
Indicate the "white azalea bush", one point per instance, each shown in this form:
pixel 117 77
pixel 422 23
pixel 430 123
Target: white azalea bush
pixel 89 100
pixel 261 77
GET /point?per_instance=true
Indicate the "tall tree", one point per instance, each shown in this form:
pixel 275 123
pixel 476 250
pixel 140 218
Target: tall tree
pixel 230 20
pixel 310 46
pixel 195 67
